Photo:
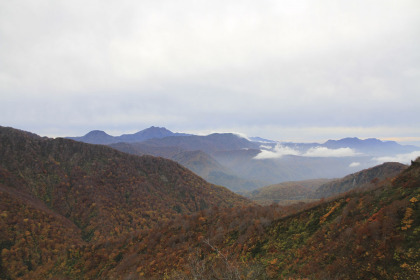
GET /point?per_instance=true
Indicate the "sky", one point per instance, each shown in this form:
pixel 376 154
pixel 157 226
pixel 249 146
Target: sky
pixel 284 70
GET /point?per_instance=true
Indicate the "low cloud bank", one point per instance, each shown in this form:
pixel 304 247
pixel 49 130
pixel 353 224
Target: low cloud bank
pixel 402 158
pixel 354 164
pixel 277 152
pixel 325 152
pixel 280 151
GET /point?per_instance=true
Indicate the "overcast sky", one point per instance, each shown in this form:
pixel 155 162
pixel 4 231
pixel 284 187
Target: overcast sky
pixel 284 70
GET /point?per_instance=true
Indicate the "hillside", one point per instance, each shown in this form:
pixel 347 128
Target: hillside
pixel 298 191
pixel 212 171
pixel 364 178
pixel 365 235
pixel 31 234
pixel 91 189
pixel 64 173
pixel 286 192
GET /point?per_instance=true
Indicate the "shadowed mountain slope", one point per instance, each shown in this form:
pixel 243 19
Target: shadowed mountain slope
pixel 360 179
pixel 296 191
pixel 209 144
pixel 197 161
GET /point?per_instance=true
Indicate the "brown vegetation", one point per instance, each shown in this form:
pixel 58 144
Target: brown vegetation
pixel 99 214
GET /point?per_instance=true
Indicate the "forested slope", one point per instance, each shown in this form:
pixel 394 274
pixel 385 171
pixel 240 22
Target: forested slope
pixel 92 192
pixel 364 178
pixel 371 234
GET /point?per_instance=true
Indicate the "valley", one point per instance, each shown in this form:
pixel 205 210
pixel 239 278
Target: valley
pixel 209 140
pixel 243 164
pixel 73 210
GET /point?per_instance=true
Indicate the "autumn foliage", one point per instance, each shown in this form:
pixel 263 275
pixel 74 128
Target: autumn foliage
pixel 75 211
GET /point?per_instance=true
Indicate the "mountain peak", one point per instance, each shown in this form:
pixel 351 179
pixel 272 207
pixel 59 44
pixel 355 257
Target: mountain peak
pixel 371 146
pixel 97 133
pixel 146 134
pixel 100 137
pixel 344 140
pixel 354 140
pixel 155 129
pixel 95 137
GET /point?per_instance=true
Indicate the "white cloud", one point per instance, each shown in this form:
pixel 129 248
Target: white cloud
pixel 354 164
pixel 280 150
pixel 325 152
pixel 402 158
pixel 241 135
pixel 277 152
pixel 266 147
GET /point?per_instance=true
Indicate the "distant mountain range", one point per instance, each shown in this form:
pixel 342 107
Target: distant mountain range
pixel 216 142
pixel 370 146
pixel 101 137
pixel 242 164
pixel 162 137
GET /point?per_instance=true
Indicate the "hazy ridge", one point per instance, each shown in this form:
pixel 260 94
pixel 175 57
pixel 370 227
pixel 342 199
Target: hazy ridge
pixel 244 164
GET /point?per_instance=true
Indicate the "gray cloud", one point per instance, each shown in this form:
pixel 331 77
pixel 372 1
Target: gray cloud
pixel 266 67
